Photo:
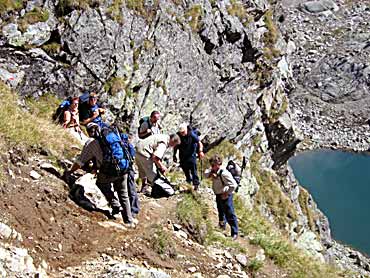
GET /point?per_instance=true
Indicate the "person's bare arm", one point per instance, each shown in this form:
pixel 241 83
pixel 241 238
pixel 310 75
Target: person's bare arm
pixel 200 148
pixel 67 118
pixel 159 164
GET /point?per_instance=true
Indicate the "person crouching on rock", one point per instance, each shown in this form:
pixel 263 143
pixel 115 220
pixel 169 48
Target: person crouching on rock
pixel 223 185
pixel 149 154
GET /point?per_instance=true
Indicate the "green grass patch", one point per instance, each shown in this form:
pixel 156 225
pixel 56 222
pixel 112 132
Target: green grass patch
pixel 270 37
pixel 193 213
pixel 236 8
pixel 254 265
pixel 304 200
pixel 225 149
pixel 161 241
pixel 52 48
pixel 194 17
pixel 10 5
pixel 25 129
pixel 278 248
pixel 64 7
pixel 32 17
pixel 146 11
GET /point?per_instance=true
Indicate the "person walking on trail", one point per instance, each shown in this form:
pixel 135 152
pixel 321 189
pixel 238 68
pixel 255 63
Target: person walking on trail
pixel 188 148
pixel 93 151
pixel 71 121
pixel 149 125
pixel 149 154
pixel 223 185
pixel 91 112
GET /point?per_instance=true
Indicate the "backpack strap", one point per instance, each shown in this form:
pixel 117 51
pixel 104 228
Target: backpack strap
pixel 221 171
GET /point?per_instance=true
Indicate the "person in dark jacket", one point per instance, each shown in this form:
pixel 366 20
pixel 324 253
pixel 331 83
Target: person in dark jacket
pixel 91 112
pixel 189 147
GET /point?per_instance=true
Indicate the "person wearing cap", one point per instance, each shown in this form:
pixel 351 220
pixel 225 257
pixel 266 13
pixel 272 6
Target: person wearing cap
pixel 149 154
pixel 149 125
pixel 223 185
pixel 92 151
pixel 92 113
pixel 71 121
pixel 188 148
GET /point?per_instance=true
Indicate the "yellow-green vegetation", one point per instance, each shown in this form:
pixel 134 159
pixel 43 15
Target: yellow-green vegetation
pixel 146 11
pixel 236 8
pixel 225 149
pixel 52 48
pixel 2 166
pixel 10 5
pixel 304 199
pixel 193 212
pixel 66 6
pixel 161 242
pixel 270 37
pixel 114 85
pixel 254 265
pixel 114 11
pixel 194 17
pixel 280 110
pixel 22 128
pixel 278 248
pixel 270 193
pixel 32 17
pixel 44 106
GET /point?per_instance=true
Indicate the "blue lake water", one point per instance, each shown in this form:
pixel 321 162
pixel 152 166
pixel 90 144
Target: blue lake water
pixel 340 184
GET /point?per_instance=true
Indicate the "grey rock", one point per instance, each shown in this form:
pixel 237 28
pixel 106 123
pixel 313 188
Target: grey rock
pixel 319 6
pixel 34 175
pixel 242 259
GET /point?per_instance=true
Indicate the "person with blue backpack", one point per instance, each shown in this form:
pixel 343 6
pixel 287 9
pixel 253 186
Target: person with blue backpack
pixel 112 155
pixel 90 112
pixel 188 149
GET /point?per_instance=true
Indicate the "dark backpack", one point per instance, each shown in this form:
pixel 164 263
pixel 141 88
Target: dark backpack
pixel 235 170
pixel 58 116
pixel 116 154
pixel 141 121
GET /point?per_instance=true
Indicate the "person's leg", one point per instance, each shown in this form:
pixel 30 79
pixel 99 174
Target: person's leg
pixel 104 184
pixel 140 161
pixel 186 169
pixel 221 214
pixel 230 215
pixel 132 193
pixel 194 174
pixel 120 186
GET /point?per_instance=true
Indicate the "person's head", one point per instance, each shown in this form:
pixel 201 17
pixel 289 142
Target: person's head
pixel 155 116
pixel 183 129
pixel 74 102
pixel 216 162
pixel 174 140
pixel 93 130
pixel 93 98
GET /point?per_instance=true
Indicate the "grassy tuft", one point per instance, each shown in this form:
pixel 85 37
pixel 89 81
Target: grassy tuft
pixel 236 8
pixel 278 248
pixel 194 16
pixel 26 129
pixel 193 212
pixel 52 48
pixel 32 17
pixel 64 7
pixel 115 85
pixel 226 150
pixel 161 242
pixel 254 265
pixel 10 5
pixel 114 11
pixel 304 199
pixel 146 11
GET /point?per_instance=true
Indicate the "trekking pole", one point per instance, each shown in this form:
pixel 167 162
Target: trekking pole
pixel 201 169
pixel 244 164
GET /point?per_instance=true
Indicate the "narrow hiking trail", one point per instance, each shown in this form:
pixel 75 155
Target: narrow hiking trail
pixel 72 242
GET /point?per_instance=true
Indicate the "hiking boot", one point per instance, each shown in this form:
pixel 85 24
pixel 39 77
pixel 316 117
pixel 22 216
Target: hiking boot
pixel 130 225
pixel 115 210
pixel 234 237
pixel 196 187
pixel 222 225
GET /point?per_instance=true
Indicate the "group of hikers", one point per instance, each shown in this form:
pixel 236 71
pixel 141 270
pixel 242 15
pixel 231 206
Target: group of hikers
pixel 112 155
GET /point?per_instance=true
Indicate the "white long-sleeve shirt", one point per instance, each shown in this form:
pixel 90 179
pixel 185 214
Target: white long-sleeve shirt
pixel 223 183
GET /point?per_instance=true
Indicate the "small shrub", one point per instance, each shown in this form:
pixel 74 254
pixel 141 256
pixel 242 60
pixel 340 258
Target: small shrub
pixel 52 48
pixel 10 5
pixel 254 265
pixel 161 242
pixel 194 16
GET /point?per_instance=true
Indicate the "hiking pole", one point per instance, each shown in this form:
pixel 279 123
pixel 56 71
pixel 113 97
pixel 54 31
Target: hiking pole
pixel 201 169
pixel 244 164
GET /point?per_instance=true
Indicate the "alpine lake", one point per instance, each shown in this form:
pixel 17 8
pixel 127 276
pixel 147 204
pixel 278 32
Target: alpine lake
pixel 340 185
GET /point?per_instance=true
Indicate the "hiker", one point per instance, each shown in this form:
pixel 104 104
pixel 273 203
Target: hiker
pixel 94 151
pixel 91 112
pixel 149 125
pixel 223 185
pixel 149 154
pixel 131 184
pixel 188 148
pixel 71 121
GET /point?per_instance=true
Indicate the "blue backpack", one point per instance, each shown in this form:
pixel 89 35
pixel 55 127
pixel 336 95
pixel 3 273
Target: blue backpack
pixel 58 116
pixel 117 156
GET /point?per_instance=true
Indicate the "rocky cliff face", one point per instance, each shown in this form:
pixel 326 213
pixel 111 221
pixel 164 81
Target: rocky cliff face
pixel 223 66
